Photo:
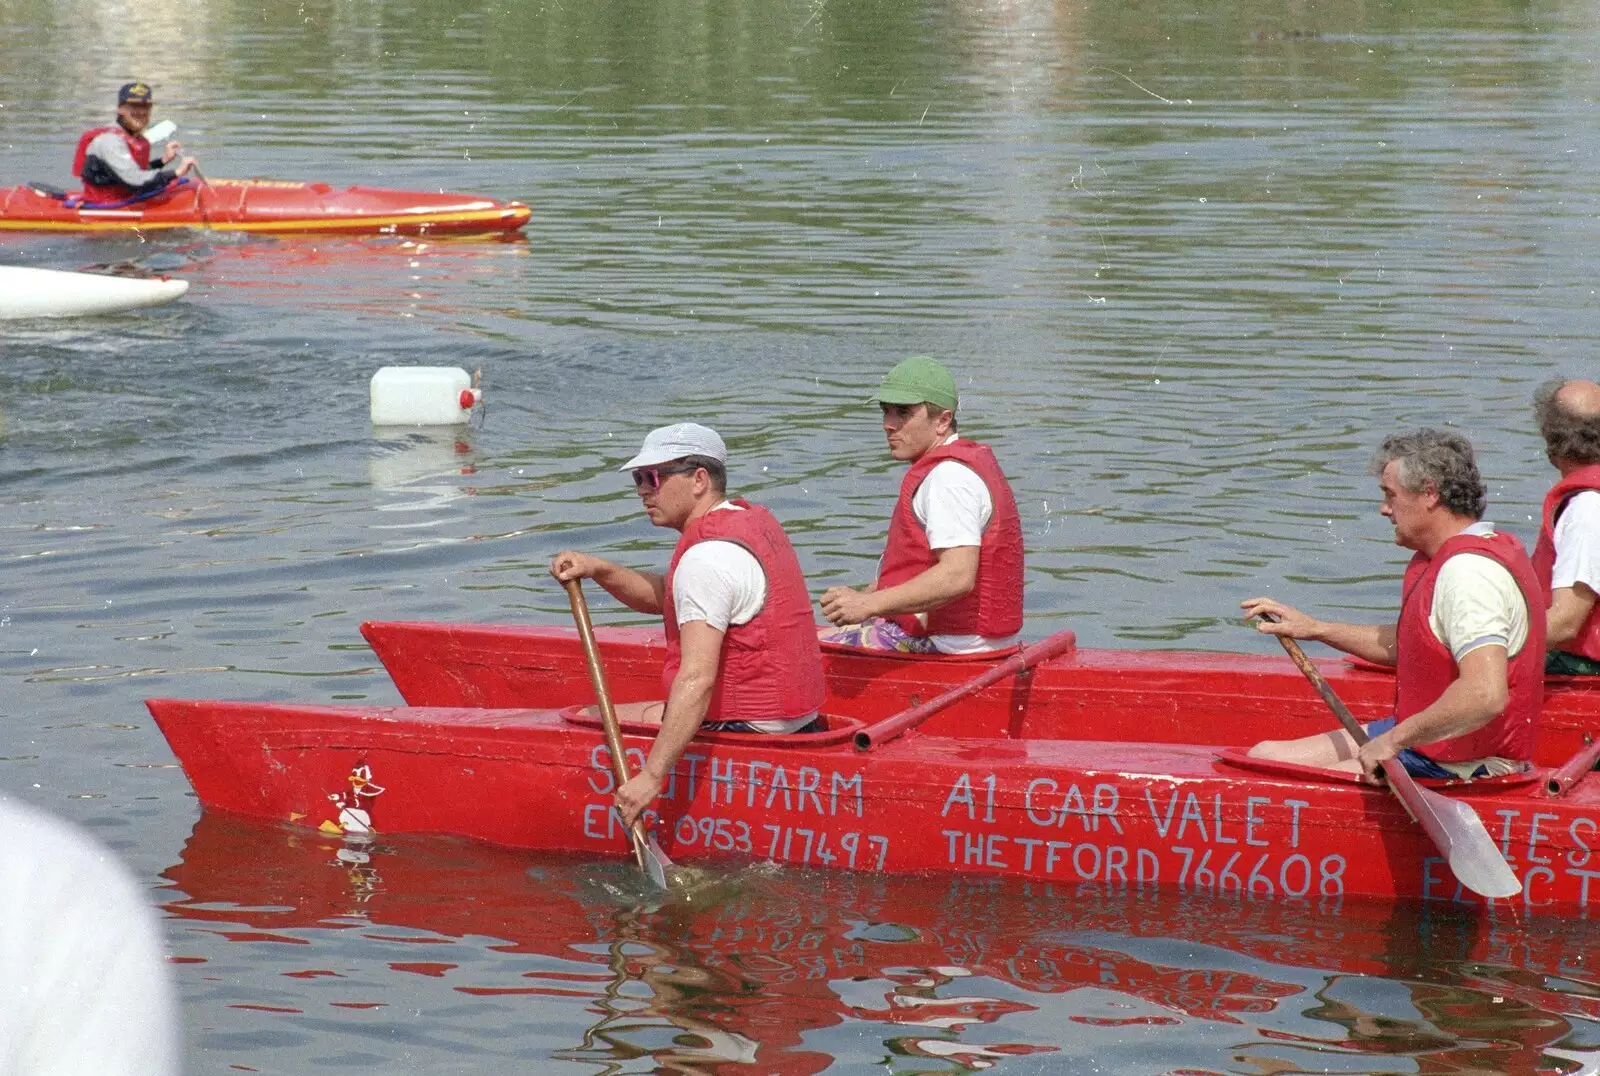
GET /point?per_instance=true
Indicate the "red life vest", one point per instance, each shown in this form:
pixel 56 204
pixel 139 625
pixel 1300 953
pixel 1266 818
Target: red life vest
pixel 993 607
pixel 1587 641
pixel 1425 668
pixel 771 667
pixel 138 145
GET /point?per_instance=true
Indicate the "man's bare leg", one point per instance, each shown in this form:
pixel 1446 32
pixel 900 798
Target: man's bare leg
pixel 1332 750
pixel 639 713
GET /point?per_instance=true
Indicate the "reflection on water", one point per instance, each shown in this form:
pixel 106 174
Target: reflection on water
pixel 333 941
pixel 407 468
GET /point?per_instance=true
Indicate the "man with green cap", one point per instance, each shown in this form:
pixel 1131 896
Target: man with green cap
pixel 950 580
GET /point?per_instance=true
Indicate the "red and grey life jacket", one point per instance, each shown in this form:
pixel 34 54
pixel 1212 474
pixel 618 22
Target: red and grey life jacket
pixel 993 607
pixel 138 146
pixel 1587 641
pixel 771 667
pixel 1425 667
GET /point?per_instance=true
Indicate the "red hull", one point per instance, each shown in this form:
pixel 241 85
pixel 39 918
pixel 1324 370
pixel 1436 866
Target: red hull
pixel 1143 696
pixel 1008 785
pixel 271 206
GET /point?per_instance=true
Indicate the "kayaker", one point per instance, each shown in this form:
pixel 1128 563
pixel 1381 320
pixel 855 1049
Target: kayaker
pixel 950 579
pixel 1469 661
pixel 1567 556
pixel 114 161
pixel 742 652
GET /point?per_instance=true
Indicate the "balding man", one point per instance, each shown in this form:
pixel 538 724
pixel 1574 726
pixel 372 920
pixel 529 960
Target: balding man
pixel 1567 557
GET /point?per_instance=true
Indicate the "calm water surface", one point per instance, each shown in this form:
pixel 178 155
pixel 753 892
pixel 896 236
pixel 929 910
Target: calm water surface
pixel 1188 265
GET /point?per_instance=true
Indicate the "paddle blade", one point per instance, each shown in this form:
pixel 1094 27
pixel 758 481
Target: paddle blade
pixel 1475 860
pixel 656 863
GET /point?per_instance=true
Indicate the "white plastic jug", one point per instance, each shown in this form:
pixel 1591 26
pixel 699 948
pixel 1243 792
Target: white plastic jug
pixel 423 396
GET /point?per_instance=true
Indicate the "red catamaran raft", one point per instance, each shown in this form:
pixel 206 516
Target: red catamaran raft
pixel 1116 767
pixel 265 205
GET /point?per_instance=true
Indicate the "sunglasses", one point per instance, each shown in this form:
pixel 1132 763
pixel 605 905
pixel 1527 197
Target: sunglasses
pixel 652 476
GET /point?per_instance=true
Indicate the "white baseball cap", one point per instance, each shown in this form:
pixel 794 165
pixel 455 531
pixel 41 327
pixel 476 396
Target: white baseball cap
pixel 670 443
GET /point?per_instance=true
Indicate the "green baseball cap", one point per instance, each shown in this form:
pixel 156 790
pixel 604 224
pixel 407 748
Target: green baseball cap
pixel 919 379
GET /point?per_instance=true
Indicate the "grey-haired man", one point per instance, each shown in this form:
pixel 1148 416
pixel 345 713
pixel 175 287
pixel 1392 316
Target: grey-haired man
pixel 1468 648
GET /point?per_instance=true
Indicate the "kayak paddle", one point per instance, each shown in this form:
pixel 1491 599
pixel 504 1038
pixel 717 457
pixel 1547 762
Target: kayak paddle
pixel 1453 826
pixel 652 860
pixel 1016 664
pixel 160 132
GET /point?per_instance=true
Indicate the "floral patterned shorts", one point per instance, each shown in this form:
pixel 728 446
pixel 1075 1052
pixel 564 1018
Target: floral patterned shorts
pixel 876 633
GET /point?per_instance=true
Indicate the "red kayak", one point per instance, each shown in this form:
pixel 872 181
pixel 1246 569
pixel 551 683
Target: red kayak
pixel 262 205
pixel 1114 767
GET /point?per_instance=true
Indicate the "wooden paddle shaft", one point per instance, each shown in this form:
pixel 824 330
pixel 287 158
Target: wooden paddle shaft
pixel 608 712
pixel 1336 704
pixel 890 727
pixel 597 677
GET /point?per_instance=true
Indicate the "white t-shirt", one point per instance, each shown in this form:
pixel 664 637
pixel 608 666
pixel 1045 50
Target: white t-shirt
pixel 84 985
pixel 1476 602
pixel 722 584
pixel 1577 536
pixel 953 506
pixel 719 582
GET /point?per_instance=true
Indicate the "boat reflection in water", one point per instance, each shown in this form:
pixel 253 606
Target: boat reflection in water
pixel 375 278
pixel 794 970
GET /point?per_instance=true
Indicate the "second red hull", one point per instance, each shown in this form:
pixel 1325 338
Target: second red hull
pixel 1144 696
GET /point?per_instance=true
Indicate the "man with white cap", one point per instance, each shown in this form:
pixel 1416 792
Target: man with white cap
pixel 950 580
pixel 742 652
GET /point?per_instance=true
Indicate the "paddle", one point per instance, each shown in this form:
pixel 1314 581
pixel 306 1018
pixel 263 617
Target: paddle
pixel 652 860
pixel 1453 826
pixel 1020 662
pixel 160 132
